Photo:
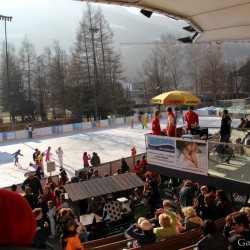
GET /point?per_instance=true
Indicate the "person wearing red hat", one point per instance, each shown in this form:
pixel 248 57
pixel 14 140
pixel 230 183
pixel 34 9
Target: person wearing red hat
pixel 18 224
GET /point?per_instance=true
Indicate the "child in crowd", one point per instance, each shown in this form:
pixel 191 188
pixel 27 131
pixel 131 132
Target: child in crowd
pixel 81 230
pixel 133 151
pixel 50 214
pixel 70 239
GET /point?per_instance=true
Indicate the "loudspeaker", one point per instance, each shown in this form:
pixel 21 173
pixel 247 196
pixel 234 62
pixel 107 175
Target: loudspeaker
pixel 146 13
pixel 189 39
pixel 189 28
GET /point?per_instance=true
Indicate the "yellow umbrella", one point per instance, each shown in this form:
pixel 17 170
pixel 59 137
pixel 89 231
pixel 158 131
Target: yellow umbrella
pixel 176 98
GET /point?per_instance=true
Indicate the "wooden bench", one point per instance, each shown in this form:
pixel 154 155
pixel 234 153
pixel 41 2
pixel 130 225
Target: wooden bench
pixel 232 232
pixel 172 243
pixel 175 242
pixel 104 241
pixel 183 240
pixel 113 246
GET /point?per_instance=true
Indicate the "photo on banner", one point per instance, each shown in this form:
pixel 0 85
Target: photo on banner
pixel 192 155
pixel 179 154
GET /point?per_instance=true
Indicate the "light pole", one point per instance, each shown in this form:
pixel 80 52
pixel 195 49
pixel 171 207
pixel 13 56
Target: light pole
pixel 159 91
pixel 7 18
pixel 94 30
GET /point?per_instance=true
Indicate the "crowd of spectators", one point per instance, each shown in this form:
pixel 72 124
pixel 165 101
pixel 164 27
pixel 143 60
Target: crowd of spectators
pixel 191 206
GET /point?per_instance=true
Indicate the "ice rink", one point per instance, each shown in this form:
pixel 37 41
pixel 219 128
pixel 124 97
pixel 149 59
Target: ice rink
pixel 109 143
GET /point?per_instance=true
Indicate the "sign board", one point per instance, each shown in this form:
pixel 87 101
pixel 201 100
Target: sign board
pixel 51 166
pixel 178 153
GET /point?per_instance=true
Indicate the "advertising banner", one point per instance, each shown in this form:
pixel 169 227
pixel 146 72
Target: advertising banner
pixel 77 126
pixel 57 129
pixel 177 153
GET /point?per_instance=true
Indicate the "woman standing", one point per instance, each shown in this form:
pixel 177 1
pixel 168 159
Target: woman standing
pixel 86 158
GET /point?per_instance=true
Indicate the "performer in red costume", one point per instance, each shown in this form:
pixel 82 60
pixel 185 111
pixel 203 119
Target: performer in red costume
pixel 171 123
pixel 156 127
pixel 191 118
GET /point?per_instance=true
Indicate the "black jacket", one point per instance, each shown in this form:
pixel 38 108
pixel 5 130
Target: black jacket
pixel 239 241
pixel 34 184
pixel 213 242
pixel 187 194
pixel 225 128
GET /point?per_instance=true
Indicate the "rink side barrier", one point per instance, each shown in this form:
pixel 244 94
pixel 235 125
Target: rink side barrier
pixel 111 167
pixel 108 167
pixel 43 181
pixel 59 129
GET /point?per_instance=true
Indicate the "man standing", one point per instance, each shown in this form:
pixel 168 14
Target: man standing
pixel 225 133
pixel 225 128
pixel 187 194
pixel 156 127
pixel 171 123
pixel 191 118
pixel 34 183
pixel 30 131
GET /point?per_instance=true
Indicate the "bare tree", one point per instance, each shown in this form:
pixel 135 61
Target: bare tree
pixel 214 73
pixel 41 89
pixel 195 58
pixel 12 90
pixel 96 65
pixel 58 75
pixel 174 59
pixel 155 69
pixel 27 61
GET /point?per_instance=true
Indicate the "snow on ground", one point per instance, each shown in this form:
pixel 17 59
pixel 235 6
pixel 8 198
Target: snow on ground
pixel 110 143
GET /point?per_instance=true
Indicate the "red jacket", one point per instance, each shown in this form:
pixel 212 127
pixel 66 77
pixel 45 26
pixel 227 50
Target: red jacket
pixel 191 118
pixel 170 130
pixel 138 169
pixel 156 127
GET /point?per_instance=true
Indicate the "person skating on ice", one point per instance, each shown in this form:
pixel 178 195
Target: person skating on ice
pixel 47 156
pixel 16 154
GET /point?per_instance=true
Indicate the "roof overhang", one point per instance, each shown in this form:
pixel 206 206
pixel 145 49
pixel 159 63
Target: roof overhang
pixel 102 186
pixel 214 20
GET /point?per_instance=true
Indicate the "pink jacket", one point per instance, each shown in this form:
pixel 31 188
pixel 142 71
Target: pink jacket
pixel 86 159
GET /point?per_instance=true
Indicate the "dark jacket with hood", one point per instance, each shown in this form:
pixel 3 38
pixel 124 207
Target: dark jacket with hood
pixel 213 242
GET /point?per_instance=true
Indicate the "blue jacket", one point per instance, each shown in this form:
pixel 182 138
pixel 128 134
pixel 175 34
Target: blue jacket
pixel 141 238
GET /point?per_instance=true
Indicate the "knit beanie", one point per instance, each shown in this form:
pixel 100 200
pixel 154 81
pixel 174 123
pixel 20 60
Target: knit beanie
pixel 18 224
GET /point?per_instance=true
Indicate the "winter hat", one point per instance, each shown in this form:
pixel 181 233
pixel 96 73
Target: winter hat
pixel 146 225
pixel 18 225
pixel 140 220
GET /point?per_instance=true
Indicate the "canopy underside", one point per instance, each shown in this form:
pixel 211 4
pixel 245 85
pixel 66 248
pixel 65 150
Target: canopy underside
pixel 215 20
